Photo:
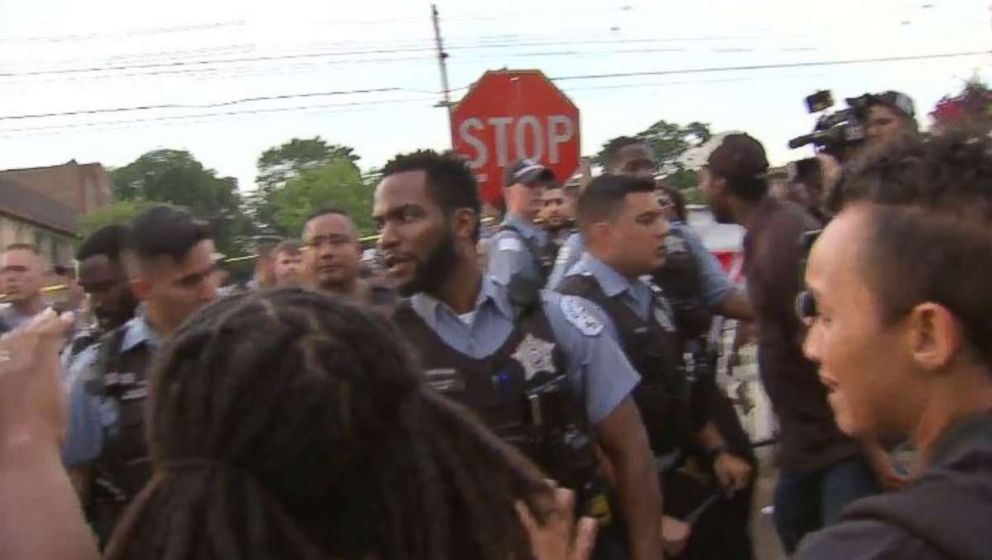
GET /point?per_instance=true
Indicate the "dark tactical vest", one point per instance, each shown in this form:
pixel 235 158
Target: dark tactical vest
pixel 123 467
pixel 680 278
pixel 520 392
pixel 654 349
pixel 544 256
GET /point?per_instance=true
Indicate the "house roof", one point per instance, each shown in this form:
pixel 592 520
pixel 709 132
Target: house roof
pixel 28 205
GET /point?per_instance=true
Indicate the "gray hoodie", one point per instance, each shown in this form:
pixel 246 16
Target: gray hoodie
pixel 945 514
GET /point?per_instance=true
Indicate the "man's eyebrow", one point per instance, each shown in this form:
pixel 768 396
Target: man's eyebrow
pixel 199 274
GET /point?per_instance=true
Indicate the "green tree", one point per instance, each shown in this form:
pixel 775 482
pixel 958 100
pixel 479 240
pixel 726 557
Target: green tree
pixel 176 177
pixel 338 184
pixel 119 212
pixel 279 165
pixel 669 141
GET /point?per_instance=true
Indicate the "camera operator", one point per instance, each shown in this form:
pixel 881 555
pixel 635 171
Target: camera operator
pixel 899 299
pixel 888 115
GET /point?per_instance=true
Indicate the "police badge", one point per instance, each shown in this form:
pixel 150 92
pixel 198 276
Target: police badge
pixel 535 355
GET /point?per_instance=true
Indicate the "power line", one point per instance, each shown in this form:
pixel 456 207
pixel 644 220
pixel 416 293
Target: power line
pixel 772 66
pixel 129 33
pixel 198 105
pixel 206 117
pixel 560 78
pixel 325 54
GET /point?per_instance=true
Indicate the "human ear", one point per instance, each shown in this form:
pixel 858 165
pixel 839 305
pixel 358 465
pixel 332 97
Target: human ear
pixel 934 336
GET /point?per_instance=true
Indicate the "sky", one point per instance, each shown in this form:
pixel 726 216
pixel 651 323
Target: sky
pixel 236 77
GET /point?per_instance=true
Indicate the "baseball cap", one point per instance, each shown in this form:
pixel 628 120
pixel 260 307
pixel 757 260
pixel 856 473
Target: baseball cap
pixel 894 99
pixel 527 171
pixel 734 155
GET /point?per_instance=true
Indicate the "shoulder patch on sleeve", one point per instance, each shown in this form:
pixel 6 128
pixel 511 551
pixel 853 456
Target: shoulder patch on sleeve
pixel 578 314
pixel 510 244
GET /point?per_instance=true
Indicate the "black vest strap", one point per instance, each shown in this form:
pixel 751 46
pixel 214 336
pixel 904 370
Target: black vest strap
pixel 653 349
pixel 544 256
pixel 521 392
pixel 122 468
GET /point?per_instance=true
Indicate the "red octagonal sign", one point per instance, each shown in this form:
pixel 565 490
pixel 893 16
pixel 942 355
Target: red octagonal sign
pixel 513 114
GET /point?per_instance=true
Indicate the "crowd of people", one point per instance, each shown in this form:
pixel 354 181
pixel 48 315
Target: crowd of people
pixel 464 395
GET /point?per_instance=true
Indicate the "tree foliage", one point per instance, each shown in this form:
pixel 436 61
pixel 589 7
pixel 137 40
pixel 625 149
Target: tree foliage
pixel 279 165
pixel 176 177
pixel 338 184
pixel 120 212
pixel 669 141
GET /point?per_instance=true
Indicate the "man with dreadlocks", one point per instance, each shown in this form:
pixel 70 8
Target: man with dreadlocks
pixel 540 375
pixel 282 425
pixel 170 261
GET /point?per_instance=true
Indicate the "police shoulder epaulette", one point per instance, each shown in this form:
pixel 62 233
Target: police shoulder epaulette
pixel 577 312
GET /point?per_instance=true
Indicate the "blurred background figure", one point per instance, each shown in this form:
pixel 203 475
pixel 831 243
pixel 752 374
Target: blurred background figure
pixel 22 273
pixel 287 264
pixel 557 214
pixel 264 264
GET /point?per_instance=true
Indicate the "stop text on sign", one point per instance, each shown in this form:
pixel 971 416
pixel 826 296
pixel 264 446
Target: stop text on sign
pixel 509 115
pixel 515 138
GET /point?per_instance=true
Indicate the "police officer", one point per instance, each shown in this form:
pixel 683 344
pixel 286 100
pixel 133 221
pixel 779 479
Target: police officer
pixel 634 157
pixel 102 278
pixel 625 230
pixel 521 255
pixel 543 374
pixel 171 265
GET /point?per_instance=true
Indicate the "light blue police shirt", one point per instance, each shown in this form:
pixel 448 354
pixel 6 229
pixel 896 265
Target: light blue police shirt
pixel 597 369
pixel 509 254
pixel 714 284
pixel 635 295
pixel 93 418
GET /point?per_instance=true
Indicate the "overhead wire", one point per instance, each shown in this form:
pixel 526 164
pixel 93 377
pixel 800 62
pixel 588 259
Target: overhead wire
pixel 842 62
pixel 557 78
pixel 199 105
pixel 194 117
pixel 427 47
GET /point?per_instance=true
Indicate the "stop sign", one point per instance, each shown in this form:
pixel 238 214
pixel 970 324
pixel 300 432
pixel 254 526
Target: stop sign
pixel 509 115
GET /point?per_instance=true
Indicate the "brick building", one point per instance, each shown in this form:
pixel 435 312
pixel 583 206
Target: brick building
pixel 42 205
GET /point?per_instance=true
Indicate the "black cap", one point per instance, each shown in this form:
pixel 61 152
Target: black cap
pixel 527 171
pixel 738 156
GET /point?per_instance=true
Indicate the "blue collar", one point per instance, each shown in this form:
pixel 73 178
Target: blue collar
pixel 526 228
pixel 428 307
pixel 637 294
pixel 611 281
pixel 140 331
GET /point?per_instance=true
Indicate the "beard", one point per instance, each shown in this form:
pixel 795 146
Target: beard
pixel 433 270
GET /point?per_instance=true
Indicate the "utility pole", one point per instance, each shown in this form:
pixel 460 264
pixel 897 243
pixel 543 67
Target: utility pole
pixel 442 58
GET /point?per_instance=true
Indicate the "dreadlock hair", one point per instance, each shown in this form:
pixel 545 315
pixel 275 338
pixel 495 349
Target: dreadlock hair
pixel 449 179
pixel 286 424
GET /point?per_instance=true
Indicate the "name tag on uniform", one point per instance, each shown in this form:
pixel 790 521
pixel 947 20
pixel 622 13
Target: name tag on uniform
pixel 445 380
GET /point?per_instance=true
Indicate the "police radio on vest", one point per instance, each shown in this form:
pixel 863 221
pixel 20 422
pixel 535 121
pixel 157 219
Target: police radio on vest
pixel 516 138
